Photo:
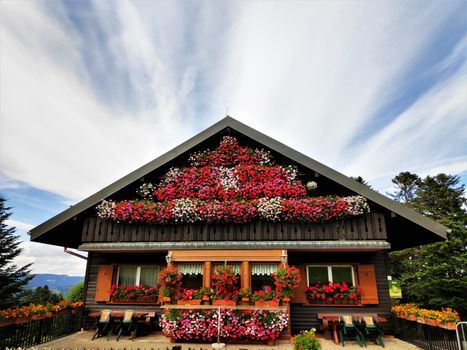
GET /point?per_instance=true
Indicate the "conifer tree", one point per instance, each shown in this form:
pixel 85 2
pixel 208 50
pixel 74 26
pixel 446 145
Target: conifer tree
pixel 434 275
pixel 12 277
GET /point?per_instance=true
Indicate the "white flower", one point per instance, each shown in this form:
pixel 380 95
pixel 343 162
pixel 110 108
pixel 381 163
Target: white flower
pixel 228 178
pixel 357 205
pixel 184 210
pixel 172 175
pixel 106 209
pixel 146 190
pixel 311 185
pixel 270 208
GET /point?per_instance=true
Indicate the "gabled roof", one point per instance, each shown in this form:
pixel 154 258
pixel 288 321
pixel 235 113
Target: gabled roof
pixel 63 219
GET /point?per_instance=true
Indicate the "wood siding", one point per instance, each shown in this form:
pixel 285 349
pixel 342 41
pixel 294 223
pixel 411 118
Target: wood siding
pixel 304 317
pixel 366 227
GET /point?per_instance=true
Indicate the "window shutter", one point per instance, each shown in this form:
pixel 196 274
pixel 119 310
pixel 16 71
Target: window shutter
pixel 104 282
pixel 367 280
pixel 299 295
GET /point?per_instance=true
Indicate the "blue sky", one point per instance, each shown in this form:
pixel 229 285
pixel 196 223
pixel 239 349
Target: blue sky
pixel 91 90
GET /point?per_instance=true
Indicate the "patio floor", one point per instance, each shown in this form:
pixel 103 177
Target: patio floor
pixel 156 341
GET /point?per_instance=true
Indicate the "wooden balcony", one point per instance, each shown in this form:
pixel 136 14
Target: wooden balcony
pixel 366 227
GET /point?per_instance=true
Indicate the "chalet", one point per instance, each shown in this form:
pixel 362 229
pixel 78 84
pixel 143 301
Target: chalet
pixel 232 194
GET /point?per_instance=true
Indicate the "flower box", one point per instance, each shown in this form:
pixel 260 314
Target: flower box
pixel 140 299
pixel 189 302
pixel 451 326
pixel 245 301
pixel 431 322
pixel 267 303
pixel 224 302
pixel 411 318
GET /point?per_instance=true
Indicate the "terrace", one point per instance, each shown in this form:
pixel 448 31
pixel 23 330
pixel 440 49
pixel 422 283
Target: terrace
pixel 157 341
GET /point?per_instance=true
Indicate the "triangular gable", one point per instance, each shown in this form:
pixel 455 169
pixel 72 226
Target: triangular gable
pixel 257 137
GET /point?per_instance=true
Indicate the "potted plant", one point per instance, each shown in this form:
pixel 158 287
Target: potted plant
pixel 448 318
pixel 286 280
pixel 267 297
pixel 189 297
pixel 170 280
pixel 225 285
pixel 245 295
pixel 306 340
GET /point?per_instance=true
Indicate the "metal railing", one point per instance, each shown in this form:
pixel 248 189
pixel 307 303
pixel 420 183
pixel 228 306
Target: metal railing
pixel 461 334
pixel 34 332
pixel 425 336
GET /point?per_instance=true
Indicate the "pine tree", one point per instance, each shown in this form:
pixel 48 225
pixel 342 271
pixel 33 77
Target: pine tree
pixel 434 275
pixel 406 186
pixel 12 277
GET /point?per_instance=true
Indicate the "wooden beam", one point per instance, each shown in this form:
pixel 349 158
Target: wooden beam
pixel 226 255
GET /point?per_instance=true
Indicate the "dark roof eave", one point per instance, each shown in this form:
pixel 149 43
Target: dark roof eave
pixel 269 142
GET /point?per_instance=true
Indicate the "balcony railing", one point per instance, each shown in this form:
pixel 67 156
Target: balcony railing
pixel 425 336
pixel 365 227
pixel 30 332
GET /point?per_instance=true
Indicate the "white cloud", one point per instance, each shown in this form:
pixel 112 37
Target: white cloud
pixel 23 226
pixel 50 259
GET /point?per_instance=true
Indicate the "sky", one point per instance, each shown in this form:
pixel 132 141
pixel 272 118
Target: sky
pixel 91 90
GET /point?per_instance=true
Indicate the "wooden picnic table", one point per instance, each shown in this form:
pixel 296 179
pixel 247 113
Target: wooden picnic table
pixel 330 321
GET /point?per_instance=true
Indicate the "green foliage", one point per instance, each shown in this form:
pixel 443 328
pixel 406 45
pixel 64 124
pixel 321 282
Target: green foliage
pixel 306 340
pixel 434 275
pixel 39 296
pixel 361 180
pixel 406 186
pixel 12 278
pixel 76 292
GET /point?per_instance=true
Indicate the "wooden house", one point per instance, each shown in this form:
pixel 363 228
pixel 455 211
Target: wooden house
pixel 351 247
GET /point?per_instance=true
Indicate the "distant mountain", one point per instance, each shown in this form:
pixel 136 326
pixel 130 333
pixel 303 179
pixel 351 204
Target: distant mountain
pixel 59 283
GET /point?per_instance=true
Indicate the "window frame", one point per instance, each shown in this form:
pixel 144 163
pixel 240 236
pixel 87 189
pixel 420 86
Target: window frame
pixel 138 273
pixel 329 267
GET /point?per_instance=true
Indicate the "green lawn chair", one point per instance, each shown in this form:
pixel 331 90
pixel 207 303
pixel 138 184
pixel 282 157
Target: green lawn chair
pixel 370 330
pixel 127 325
pixel 347 330
pixel 102 324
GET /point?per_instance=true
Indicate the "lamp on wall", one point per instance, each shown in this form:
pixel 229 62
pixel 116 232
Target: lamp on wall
pixel 168 258
pixel 284 257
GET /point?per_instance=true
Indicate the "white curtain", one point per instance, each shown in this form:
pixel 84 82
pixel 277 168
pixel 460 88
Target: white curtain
pixel 263 269
pixel 149 275
pixel 127 275
pixel 190 269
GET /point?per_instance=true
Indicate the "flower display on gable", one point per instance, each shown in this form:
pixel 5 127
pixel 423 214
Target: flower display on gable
pixel 231 184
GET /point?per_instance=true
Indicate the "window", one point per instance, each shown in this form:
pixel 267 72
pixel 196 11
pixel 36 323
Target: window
pixel 330 273
pixel 192 275
pixel 261 276
pixel 138 275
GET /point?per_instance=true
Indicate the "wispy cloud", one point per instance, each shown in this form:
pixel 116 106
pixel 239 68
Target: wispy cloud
pixel 23 226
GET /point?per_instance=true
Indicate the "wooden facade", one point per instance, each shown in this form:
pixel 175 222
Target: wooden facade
pixel 366 227
pixel 361 242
